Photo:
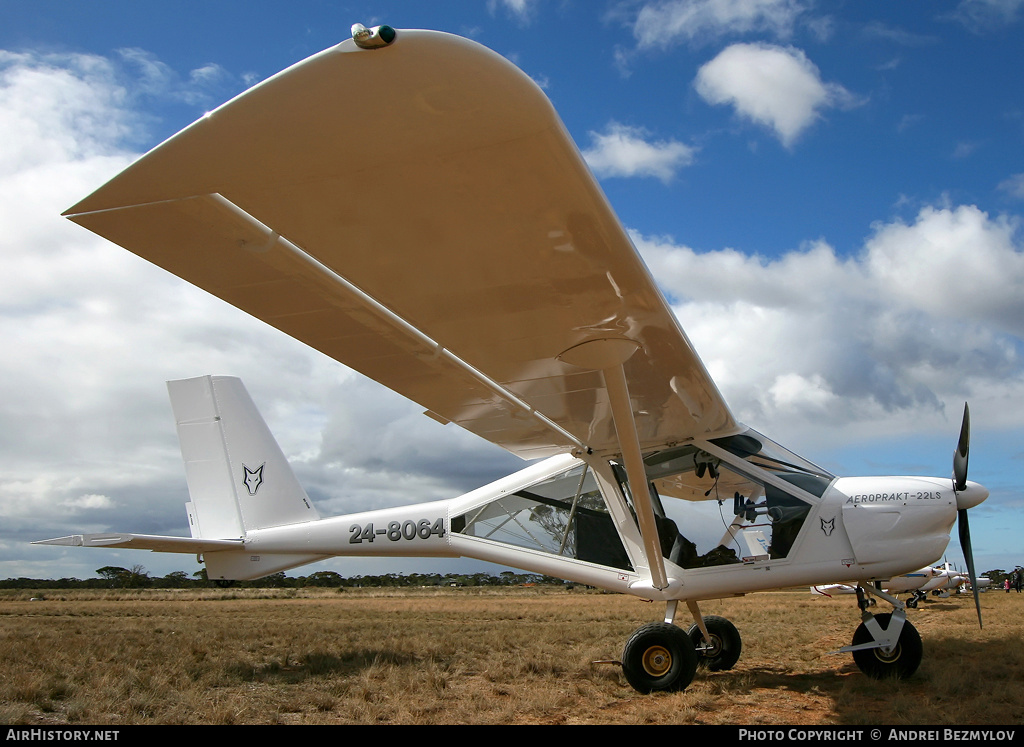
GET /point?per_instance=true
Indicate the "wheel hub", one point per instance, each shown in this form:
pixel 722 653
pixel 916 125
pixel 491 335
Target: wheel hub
pixel 714 648
pixel 890 657
pixel 657 660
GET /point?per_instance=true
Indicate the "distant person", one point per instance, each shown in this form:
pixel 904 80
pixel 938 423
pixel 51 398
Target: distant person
pixel 1018 579
pixel 1006 584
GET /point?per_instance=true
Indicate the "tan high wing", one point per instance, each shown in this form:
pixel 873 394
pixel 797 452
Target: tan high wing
pixel 419 213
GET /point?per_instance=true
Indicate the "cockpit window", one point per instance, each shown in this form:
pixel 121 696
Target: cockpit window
pixel 564 515
pixel 712 513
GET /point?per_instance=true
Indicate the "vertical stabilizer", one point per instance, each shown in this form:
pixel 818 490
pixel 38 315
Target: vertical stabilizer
pixel 238 477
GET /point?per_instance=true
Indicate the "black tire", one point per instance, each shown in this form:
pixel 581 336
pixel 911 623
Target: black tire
pixel 659 657
pixel 900 664
pixel 725 647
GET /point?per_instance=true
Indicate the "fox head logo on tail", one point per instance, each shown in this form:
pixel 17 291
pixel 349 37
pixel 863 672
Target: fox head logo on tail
pixel 253 478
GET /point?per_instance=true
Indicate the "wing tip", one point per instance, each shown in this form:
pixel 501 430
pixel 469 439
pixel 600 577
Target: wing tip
pixel 72 540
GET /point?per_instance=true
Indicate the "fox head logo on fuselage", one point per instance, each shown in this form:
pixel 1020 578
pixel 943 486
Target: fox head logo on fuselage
pixel 828 526
pixel 253 478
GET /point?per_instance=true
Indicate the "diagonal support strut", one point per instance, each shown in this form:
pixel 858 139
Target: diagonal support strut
pixel 609 356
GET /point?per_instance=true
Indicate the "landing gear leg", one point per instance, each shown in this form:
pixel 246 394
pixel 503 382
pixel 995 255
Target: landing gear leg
pixel 864 599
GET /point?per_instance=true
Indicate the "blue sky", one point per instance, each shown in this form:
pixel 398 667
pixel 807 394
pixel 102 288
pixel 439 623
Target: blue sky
pixel 830 194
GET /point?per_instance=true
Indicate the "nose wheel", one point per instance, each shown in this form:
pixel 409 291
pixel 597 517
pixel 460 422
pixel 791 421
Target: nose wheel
pixel 885 645
pixel 898 661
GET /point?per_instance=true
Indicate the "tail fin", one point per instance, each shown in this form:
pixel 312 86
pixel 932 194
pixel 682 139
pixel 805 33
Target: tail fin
pixel 238 477
pixel 238 480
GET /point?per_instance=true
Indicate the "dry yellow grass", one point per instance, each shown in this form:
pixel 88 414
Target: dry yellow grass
pixel 521 656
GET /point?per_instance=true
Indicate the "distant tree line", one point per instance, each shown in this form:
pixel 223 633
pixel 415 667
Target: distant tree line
pixel 113 577
pixel 998 576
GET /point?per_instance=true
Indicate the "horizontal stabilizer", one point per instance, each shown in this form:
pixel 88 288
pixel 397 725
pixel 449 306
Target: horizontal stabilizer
pixel 144 542
pixel 245 565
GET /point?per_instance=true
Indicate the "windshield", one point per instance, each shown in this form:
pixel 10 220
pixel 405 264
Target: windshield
pixel 762 452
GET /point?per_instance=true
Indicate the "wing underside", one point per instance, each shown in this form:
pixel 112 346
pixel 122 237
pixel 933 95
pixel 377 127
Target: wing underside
pixel 420 214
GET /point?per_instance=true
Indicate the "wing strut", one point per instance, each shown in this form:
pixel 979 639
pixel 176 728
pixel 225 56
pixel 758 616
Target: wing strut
pixel 609 356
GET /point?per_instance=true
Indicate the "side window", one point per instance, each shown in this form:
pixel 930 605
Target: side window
pixel 778 514
pixel 564 515
pixel 710 513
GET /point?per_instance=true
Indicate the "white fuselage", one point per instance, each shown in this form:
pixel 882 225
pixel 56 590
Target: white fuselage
pixel 860 529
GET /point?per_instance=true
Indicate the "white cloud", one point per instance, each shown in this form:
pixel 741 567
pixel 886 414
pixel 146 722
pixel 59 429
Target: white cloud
pixel 204 86
pixel 778 87
pixel 662 23
pixel 897 35
pixel 206 83
pixel 964 150
pixel 1013 186
pixel 791 391
pixel 984 15
pixel 893 340
pixel 521 10
pixel 625 151
pixel 88 501
pixel 952 263
pixel 59 107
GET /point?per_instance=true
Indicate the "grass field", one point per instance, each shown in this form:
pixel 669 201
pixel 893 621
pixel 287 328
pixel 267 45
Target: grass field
pixel 477 656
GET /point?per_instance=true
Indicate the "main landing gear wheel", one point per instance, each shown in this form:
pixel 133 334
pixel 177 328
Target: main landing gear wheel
pixel 659 657
pixel 724 651
pixel 900 663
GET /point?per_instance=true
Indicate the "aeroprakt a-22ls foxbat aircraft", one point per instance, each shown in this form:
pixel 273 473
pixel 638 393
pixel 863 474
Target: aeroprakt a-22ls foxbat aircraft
pixel 410 204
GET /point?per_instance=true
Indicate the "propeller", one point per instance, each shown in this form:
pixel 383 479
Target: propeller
pixel 960 455
pixel 960 486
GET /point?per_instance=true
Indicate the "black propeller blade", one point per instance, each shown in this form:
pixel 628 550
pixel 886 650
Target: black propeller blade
pixel 959 484
pixel 965 542
pixel 961 453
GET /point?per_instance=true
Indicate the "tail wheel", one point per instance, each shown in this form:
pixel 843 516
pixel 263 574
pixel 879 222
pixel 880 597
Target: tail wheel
pixel 900 663
pixel 724 649
pixel 659 657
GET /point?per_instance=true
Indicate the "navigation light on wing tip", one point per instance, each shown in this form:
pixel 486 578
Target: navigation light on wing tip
pixel 378 36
